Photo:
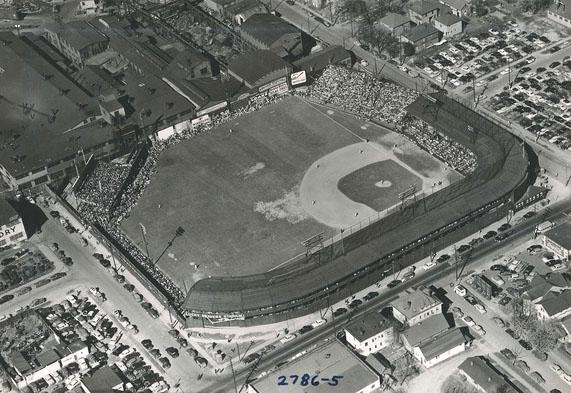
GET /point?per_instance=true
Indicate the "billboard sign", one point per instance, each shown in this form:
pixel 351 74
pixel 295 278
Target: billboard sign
pixel 298 78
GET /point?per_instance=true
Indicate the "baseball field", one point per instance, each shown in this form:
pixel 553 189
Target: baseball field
pixel 249 192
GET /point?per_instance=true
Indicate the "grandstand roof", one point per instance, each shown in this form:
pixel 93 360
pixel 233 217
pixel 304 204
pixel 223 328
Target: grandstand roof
pixel 502 167
pixel 317 61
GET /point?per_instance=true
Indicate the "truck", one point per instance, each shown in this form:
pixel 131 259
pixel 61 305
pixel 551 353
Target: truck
pixel 544 226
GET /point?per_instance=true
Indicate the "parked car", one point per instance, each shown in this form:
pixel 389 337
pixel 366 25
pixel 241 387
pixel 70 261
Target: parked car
pixel 508 354
pixel 394 283
pixel 305 329
pixel 499 322
pixel 537 377
pixel 340 311
pixel 513 334
pixel 525 344
pixel 173 352
pixel 443 258
pixel 521 364
pixel 460 290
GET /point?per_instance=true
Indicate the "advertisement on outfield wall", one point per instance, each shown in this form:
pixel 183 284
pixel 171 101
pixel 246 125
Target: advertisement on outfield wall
pixel 277 90
pixel 202 120
pixel 298 78
pixel 213 108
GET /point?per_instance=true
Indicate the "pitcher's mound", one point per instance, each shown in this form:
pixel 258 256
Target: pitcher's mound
pixel 383 184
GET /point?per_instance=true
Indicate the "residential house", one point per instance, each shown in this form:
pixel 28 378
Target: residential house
pixel 12 230
pixel 459 8
pixel 482 376
pixel 558 240
pixel 560 12
pixel 259 68
pixel 424 332
pixel 565 328
pixel 413 308
pixel 540 286
pixel 554 305
pixel 267 31
pixel 448 24
pixel 442 347
pixel 327 362
pixel 422 36
pixel 77 41
pixel 397 24
pixel 423 11
pixel 370 333
pixel 241 11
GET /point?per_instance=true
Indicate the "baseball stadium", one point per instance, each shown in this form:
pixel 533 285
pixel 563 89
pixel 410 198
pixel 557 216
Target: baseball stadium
pixel 332 271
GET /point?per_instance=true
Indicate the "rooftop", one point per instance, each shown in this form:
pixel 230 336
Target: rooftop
pixel 19 362
pixel 267 28
pixel 554 302
pixel 254 65
pixel 483 374
pixel 79 34
pixel 448 19
pixel 104 380
pixel 6 211
pixel 415 303
pixel 561 235
pixel 426 330
pixel 420 32
pixel 456 4
pixel 327 361
pixel 368 326
pixel 319 60
pixel 423 7
pixel 38 105
pixel 562 8
pixel 392 20
pixel 446 341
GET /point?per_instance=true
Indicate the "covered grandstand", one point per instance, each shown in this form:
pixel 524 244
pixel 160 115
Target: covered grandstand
pixel 505 170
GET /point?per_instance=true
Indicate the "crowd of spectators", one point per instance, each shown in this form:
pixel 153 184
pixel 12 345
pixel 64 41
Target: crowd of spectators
pixel 362 94
pixel 376 99
pixel 100 189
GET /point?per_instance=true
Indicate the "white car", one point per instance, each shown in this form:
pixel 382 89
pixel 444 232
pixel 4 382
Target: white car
pixel 460 290
pixel 428 265
pixel 481 309
pixel 468 321
pixel 126 352
pixel 403 68
pixel 318 323
pixel 494 32
pixel 288 338
pixel 566 378
pixel 556 369
pixel 479 329
pixel 482 83
pixel 505 72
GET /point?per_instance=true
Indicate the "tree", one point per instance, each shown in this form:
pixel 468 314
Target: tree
pixel 544 338
pixel 379 40
pixel 535 5
pixel 408 49
pixel 479 7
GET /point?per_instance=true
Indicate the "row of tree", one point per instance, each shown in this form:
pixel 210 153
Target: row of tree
pixel 542 335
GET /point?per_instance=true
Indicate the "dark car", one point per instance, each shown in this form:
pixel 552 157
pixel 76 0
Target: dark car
pixel 489 234
pixel 370 295
pixel 476 241
pixel 147 344
pixel 505 300
pixel 251 357
pixel 6 298
pixel 355 303
pixel 54 213
pixel 470 299
pixel 504 227
pixel 305 329
pixel 165 363
pixel 463 248
pixel 443 258
pixel 525 344
pixel 394 283
pixel 554 64
pixel 57 276
pixel 290 2
pixel 534 248
pixel 508 354
pixel 339 311
pixel 105 263
pixel 513 334
pixel 498 268
pixel 173 352
pixel 41 283
pixel 155 353
pixel 182 342
pixel 501 237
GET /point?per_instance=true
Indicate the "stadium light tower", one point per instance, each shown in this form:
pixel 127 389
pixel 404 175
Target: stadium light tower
pixel 178 232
